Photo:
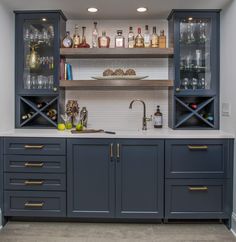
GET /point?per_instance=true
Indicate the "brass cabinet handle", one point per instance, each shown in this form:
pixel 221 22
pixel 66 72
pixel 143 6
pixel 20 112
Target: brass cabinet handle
pixel 111 151
pixel 118 151
pixel 34 146
pixel 28 164
pixel 204 188
pixel 34 205
pixel 198 147
pixel 30 182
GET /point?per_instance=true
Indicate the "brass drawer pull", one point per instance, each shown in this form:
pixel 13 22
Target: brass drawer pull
pixel 198 147
pixel 111 151
pixel 34 146
pixel 38 165
pixel 28 182
pixel 34 205
pixel 204 188
pixel 118 151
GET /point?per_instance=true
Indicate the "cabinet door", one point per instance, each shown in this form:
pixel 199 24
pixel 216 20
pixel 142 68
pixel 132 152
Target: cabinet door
pixel 90 178
pixel 140 179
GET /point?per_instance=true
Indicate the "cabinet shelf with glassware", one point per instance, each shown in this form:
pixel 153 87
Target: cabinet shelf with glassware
pixel 195 67
pixel 38 38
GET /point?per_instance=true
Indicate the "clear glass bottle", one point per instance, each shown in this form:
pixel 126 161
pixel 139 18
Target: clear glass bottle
pixel 104 41
pixel 155 38
pixel 95 36
pixel 139 40
pixel 119 40
pixel 162 39
pixel 67 42
pixel 76 37
pixel 131 41
pixel 83 43
pixel 147 37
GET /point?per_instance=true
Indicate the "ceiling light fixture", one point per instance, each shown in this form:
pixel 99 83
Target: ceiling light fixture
pixel 44 19
pixel 92 10
pixel 141 9
pixel 190 18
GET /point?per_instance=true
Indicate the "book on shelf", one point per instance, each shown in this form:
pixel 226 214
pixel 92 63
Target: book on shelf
pixel 65 70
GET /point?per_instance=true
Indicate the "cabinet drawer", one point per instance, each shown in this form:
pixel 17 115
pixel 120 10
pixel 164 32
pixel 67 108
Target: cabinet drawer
pixel 192 199
pixel 27 181
pixel 34 164
pixel 34 146
pixel 197 158
pixel 38 204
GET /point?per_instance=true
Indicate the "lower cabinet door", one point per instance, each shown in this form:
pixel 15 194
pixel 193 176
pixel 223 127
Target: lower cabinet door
pixel 38 204
pixel 196 199
pixel 90 178
pixel 140 179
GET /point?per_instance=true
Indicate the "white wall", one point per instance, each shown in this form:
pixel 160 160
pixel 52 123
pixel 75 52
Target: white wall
pixel 228 77
pixel 7 68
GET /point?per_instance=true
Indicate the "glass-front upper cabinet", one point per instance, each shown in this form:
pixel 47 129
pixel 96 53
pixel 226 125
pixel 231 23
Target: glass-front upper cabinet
pixel 196 52
pixel 37 55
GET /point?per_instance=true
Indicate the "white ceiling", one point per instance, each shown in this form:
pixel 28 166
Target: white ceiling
pixel 114 9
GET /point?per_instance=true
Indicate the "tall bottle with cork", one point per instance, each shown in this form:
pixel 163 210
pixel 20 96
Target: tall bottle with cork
pixel 158 118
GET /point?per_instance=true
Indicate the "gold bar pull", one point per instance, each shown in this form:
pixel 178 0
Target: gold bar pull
pixel 30 165
pixel 118 151
pixel 30 182
pixel 34 205
pixel 111 151
pixel 34 146
pixel 204 188
pixel 198 147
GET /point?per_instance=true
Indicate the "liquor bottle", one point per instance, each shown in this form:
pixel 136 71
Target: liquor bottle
pixel 52 114
pixel 76 37
pixel 131 38
pixel 155 39
pixel 104 41
pixel 95 36
pixel 147 38
pixel 40 105
pixel 158 118
pixel 162 39
pixel 119 40
pixel 67 42
pixel 27 116
pixel 139 40
pixel 83 43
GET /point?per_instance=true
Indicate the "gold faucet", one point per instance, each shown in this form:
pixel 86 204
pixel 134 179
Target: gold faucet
pixel 145 119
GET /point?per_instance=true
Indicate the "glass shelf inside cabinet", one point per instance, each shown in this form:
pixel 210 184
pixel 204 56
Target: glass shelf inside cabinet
pixel 195 59
pixel 38 55
pixel 194 112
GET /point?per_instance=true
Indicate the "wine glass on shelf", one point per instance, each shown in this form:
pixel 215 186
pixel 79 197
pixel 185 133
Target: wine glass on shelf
pixel 185 83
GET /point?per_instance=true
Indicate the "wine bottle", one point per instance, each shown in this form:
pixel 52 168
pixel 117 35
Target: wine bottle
pixel 40 105
pixel 52 113
pixel 27 116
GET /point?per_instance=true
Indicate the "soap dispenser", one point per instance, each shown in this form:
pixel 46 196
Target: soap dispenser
pixel 158 118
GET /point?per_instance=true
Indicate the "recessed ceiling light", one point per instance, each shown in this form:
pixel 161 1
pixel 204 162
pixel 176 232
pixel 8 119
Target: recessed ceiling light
pixel 44 19
pixel 92 10
pixel 190 18
pixel 141 9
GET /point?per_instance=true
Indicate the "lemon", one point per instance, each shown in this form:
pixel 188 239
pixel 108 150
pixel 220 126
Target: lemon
pixel 68 125
pixel 61 127
pixel 79 127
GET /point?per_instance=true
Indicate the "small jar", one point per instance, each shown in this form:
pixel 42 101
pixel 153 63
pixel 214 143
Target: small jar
pixel 119 40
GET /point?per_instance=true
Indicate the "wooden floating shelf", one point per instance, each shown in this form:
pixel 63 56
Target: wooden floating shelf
pixel 117 52
pixel 116 84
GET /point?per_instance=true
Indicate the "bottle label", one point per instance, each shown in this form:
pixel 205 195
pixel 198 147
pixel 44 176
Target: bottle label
pixel 104 42
pixel 158 120
pixel 119 42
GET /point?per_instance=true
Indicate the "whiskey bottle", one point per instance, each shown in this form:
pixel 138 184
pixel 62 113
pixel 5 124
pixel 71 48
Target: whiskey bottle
pixel 76 37
pixel 104 41
pixel 147 38
pixel 131 38
pixel 158 118
pixel 95 36
pixel 162 39
pixel 139 40
pixel 67 42
pixel 27 116
pixel 83 43
pixel 155 39
pixel 119 40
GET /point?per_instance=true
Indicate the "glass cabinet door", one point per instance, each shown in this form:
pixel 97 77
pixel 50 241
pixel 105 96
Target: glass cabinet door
pixel 38 55
pixel 195 73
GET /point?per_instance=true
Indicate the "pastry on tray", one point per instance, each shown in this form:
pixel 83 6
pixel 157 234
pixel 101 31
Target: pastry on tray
pixel 108 72
pixel 130 72
pixel 118 72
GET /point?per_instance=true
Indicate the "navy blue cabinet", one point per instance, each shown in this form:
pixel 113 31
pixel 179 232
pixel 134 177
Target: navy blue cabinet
pixel 140 179
pixel 115 178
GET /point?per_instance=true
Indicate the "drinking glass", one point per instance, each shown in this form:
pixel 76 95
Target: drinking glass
pixel 27 84
pixel 45 82
pixel 33 82
pixel 194 83
pixel 50 82
pixel 40 82
pixel 185 83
